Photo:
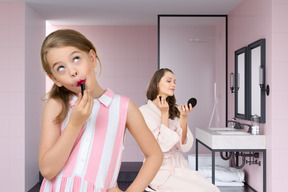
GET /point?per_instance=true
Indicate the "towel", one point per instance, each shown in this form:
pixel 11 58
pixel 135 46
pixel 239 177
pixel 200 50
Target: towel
pixel 225 174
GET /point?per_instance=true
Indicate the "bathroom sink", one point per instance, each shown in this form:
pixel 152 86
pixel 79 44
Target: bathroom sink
pixel 233 133
pixel 229 138
pixel 221 129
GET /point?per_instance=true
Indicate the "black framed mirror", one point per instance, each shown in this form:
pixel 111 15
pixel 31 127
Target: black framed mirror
pixel 257 71
pixel 241 81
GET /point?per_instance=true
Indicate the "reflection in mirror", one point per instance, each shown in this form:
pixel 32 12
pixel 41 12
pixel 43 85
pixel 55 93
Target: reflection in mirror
pixel 256 55
pixel 240 83
pixel 256 93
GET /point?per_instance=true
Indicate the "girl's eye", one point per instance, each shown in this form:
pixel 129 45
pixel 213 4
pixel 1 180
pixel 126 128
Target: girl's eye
pixel 60 68
pixel 75 59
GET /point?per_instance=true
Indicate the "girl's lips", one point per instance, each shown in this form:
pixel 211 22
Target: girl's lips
pixel 80 82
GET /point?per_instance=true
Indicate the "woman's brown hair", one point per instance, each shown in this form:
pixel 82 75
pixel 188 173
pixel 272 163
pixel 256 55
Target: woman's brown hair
pixel 57 39
pixel 153 91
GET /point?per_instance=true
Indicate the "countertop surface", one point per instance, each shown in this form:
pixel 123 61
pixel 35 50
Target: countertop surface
pixel 229 138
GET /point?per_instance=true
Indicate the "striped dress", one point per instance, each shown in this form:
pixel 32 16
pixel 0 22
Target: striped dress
pixel 95 159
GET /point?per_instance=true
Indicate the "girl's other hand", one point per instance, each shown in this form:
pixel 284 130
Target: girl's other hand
pixel 185 110
pixel 82 109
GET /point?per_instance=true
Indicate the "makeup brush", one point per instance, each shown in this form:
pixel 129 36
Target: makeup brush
pixel 160 96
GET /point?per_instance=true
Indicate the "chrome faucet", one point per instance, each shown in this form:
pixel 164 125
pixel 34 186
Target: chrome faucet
pixel 236 124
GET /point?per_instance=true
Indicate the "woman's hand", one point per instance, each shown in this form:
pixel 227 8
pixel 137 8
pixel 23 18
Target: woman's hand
pixel 162 104
pixel 82 109
pixel 164 108
pixel 185 110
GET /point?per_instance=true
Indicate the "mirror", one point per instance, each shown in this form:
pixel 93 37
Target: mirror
pixel 256 57
pixel 241 101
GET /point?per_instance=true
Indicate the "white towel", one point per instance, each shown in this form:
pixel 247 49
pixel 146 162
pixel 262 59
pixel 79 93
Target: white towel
pixel 223 183
pixel 226 174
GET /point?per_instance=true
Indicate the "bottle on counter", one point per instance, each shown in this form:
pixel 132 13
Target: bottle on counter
pixel 255 124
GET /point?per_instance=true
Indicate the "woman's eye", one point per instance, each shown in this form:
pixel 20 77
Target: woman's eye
pixel 75 59
pixel 60 68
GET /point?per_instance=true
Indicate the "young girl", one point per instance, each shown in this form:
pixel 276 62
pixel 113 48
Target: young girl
pixel 82 136
pixel 169 126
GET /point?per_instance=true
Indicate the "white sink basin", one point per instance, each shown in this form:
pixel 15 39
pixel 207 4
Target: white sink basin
pixel 229 138
pixel 233 133
pixel 221 129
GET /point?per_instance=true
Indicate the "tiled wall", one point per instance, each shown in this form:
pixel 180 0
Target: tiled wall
pixel 278 107
pixel 34 91
pixel 12 112
pixel 250 21
pixel 253 19
pixel 129 58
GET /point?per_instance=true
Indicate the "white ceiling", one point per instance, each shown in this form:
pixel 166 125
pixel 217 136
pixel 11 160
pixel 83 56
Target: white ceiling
pixel 123 12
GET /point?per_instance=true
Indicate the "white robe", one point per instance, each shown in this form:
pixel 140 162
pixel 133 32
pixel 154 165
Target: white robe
pixel 175 174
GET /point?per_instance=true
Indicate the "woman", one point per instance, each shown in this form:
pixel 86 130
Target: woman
pixel 168 123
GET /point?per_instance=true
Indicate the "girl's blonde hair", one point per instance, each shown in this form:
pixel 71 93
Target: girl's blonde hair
pixel 153 91
pixel 57 39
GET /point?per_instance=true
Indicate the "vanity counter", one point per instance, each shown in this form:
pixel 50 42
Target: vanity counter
pixel 233 141
pixel 227 138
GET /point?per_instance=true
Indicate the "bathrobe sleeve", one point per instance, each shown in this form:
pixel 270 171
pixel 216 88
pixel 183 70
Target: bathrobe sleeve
pixel 166 137
pixel 186 146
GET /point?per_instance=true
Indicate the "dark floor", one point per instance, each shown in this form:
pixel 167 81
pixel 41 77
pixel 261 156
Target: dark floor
pixel 129 171
pixel 122 185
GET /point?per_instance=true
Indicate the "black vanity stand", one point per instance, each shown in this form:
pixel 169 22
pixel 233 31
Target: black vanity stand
pixel 213 151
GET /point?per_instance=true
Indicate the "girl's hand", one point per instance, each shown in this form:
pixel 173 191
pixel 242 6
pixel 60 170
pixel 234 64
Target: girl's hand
pixel 185 110
pixel 82 109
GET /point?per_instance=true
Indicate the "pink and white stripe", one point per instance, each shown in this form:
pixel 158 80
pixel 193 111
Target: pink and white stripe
pixel 95 161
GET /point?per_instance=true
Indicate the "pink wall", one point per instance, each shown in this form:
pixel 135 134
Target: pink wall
pixel 21 93
pixel 250 21
pixel 12 110
pixel 34 91
pixel 129 58
pixel 278 148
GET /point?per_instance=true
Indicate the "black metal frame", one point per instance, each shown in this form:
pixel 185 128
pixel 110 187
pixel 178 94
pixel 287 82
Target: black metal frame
pixel 260 43
pixel 213 151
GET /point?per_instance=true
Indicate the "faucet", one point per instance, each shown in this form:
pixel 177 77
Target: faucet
pixel 236 124
pixel 249 127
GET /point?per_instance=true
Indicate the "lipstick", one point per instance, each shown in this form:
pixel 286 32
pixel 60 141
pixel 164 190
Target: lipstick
pixel 82 84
